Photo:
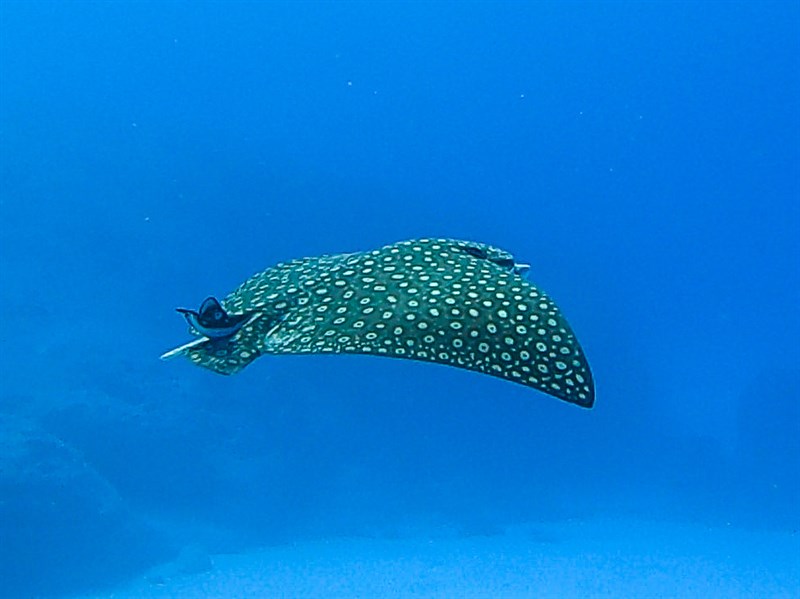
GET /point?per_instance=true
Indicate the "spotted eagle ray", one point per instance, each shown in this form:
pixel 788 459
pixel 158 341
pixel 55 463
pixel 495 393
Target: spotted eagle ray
pixel 461 303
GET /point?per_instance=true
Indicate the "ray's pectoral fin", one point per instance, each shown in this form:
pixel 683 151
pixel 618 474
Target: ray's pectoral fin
pixel 228 354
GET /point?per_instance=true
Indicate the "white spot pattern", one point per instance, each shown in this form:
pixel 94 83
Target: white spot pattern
pixel 441 300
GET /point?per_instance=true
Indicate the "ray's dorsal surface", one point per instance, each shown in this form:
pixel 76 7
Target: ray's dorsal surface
pixel 453 302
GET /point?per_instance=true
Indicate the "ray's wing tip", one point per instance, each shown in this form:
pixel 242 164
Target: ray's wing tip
pixel 588 403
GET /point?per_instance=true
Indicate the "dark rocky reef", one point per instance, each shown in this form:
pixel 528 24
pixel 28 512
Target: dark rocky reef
pixel 60 517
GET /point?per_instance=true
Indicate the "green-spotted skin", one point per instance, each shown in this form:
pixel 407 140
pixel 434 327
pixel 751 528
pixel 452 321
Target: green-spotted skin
pixel 436 300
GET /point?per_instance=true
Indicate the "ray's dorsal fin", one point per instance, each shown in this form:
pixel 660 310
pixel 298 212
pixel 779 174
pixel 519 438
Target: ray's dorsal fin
pixel 212 309
pixel 217 343
pixel 231 354
pixel 212 320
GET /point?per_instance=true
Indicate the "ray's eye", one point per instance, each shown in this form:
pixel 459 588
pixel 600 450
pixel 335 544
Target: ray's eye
pixel 504 262
pixel 217 315
pixel 474 251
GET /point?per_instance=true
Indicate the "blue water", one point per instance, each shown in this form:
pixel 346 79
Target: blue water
pixel 643 157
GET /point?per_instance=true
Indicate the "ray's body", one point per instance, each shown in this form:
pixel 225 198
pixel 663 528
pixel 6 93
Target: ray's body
pixel 447 301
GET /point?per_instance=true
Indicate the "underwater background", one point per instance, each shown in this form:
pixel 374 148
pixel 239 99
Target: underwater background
pixel 644 158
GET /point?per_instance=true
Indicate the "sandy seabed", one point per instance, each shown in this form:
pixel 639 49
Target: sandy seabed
pixel 576 559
